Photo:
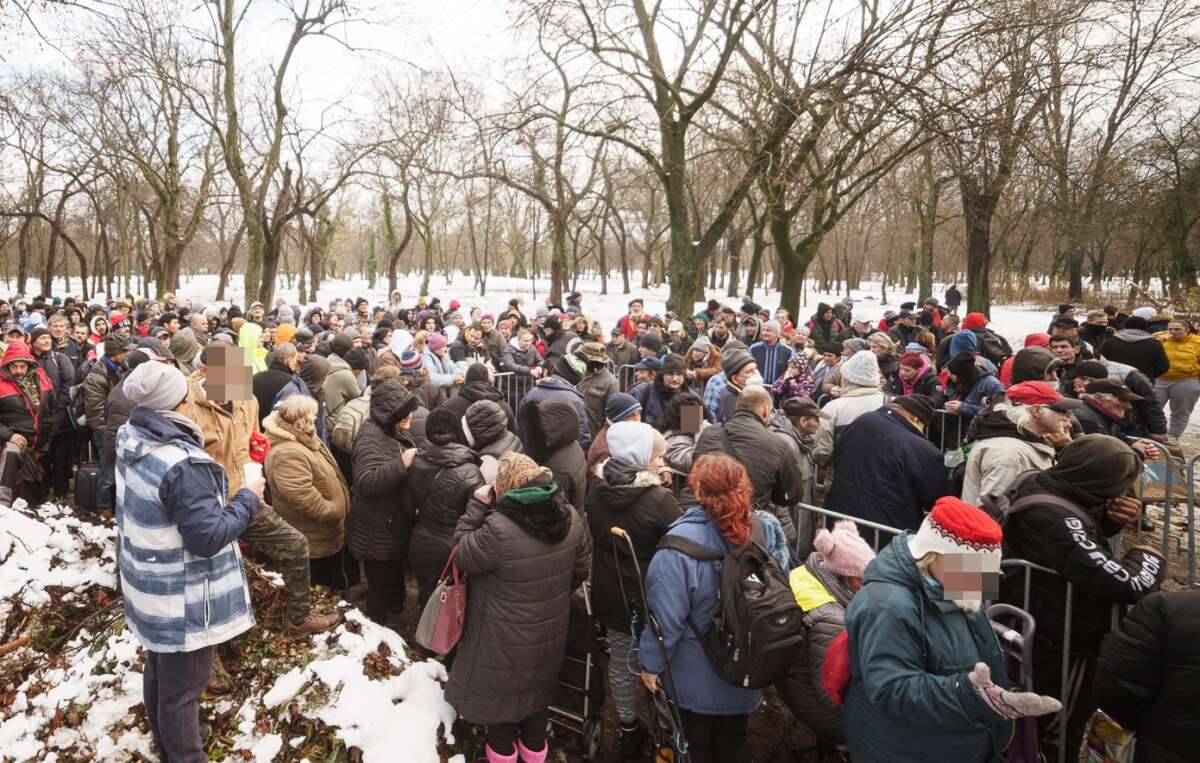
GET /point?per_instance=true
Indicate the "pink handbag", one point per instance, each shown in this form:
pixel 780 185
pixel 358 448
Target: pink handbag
pixel 441 623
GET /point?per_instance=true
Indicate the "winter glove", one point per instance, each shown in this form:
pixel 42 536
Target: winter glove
pixel 1009 704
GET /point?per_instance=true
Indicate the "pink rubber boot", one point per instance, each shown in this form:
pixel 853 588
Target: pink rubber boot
pixel 529 756
pixel 495 757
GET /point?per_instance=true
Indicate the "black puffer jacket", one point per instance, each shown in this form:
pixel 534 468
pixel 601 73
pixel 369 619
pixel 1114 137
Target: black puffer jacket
pixel 1078 550
pixel 441 480
pixel 551 430
pixel 1139 349
pixel 266 386
pixel 1148 677
pixel 633 499
pixel 61 373
pixel 473 392
pixel 381 516
pixel 519 601
pixel 488 430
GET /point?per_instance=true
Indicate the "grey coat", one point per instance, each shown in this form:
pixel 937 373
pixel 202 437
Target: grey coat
pixel 519 600
pixel 595 387
pixel 801 687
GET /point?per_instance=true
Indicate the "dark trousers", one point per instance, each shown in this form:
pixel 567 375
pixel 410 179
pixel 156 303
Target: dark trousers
pixel 106 486
pixel 62 449
pixel 385 588
pixel 171 686
pixel 502 737
pixel 715 737
pixel 337 571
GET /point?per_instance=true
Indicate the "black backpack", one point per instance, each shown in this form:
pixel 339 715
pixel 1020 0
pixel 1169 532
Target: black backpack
pixel 1001 507
pixel 757 624
pixel 992 347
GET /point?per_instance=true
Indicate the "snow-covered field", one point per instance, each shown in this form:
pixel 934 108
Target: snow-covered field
pixel 79 703
pixel 1013 321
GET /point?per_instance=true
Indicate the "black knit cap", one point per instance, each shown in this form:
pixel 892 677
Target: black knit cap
pixel 920 406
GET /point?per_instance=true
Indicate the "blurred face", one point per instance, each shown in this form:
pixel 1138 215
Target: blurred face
pixel 430 324
pixel 880 350
pixel 618 339
pixel 698 324
pixel 256 312
pixel 781 315
pixel 505 331
pixel 967 579
pixel 18 369
pixel 827 315
pixel 80 332
pixel 672 380
pixel 525 341
pixel 635 309
pixel 721 329
pixel 908 373
pixel 473 337
pixel 403 424
pixel 43 344
pixel 641 375
pixel 487 324
pixel 770 336
pixel 1079 383
pixel 1177 330
pixel 698 356
pixel 58 329
pixel 830 358
pixel 1099 320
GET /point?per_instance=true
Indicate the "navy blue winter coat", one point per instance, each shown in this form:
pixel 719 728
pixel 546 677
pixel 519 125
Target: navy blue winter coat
pixel 910 653
pixel 885 471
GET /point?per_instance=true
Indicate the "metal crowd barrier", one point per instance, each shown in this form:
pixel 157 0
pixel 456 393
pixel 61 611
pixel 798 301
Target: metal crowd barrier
pixel 514 386
pixel 875 527
pixel 943 414
pixel 1171 467
pixel 1191 514
pixel 625 377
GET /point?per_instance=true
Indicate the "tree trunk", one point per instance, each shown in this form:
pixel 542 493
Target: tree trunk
pixel 735 241
pixel 978 209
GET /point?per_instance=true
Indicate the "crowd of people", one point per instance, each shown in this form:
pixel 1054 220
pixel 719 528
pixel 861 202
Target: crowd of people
pixel 359 444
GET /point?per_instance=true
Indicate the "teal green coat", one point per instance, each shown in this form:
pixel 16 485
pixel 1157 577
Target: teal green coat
pixel 910 653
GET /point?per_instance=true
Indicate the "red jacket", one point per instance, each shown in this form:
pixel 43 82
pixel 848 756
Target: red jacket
pixel 32 419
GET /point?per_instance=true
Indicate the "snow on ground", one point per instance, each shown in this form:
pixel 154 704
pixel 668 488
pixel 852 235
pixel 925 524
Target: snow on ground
pixel 82 706
pixel 1012 321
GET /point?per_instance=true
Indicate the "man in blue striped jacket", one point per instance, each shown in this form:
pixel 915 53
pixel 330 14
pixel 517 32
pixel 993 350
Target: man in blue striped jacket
pixel 181 572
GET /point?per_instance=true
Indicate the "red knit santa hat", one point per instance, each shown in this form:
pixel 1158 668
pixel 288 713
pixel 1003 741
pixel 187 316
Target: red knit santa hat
pixel 956 527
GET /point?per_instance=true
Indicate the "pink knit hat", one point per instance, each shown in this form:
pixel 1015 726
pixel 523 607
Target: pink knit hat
pixel 435 341
pixel 845 552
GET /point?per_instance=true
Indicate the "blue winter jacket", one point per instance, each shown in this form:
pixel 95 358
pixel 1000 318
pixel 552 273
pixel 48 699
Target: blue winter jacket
pixel 910 653
pixel 181 572
pixel 556 386
pixel 986 386
pixel 678 587
pixel 771 361
pixel 441 370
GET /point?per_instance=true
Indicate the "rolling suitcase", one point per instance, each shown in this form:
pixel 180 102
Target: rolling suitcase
pixel 87 483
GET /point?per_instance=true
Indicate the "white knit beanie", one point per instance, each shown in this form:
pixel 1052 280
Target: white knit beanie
pixel 861 369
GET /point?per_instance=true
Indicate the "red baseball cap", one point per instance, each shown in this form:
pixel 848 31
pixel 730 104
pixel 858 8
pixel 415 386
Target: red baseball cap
pixel 1041 393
